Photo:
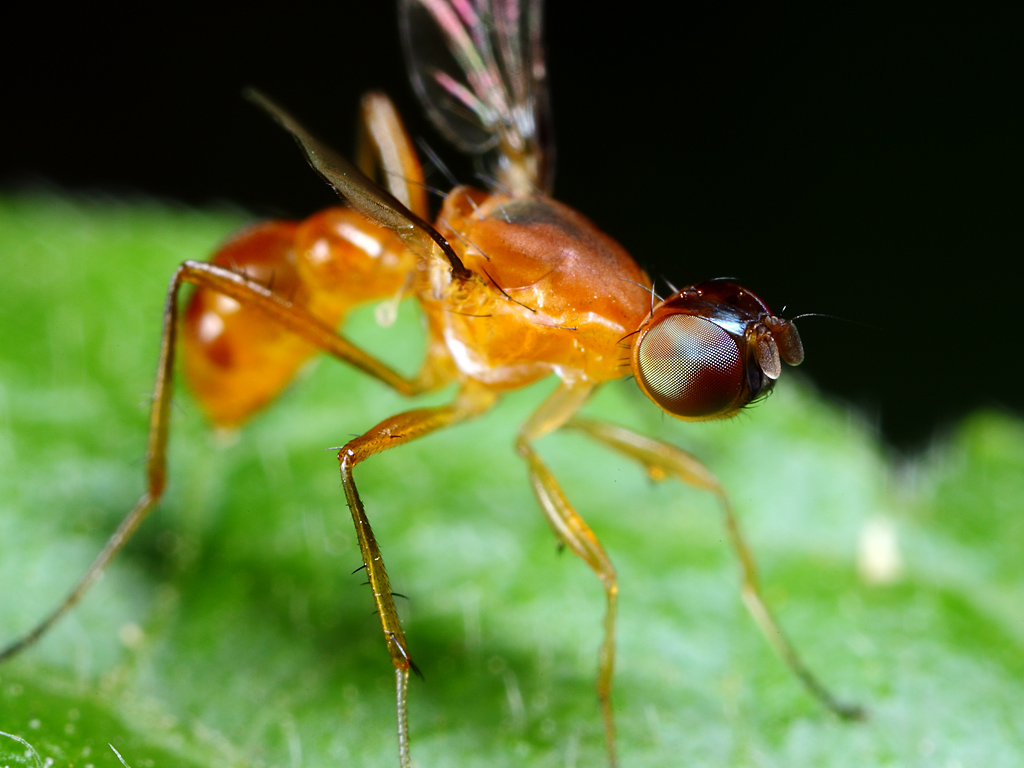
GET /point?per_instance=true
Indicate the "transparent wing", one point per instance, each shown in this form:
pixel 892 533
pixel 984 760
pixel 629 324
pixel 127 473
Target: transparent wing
pixel 478 67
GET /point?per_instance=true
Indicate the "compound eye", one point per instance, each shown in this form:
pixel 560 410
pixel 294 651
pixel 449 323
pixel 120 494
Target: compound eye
pixel 690 367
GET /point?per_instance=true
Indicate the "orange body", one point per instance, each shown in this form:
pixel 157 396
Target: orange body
pixel 558 295
pixel 550 294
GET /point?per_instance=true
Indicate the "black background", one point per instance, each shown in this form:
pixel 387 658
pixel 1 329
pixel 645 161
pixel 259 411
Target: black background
pixel 866 164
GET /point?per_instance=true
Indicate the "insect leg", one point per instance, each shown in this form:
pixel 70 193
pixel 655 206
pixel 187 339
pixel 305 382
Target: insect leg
pixel 155 483
pixel 571 529
pixel 246 292
pixel 661 461
pixel 384 145
pixel 390 433
pixel 300 322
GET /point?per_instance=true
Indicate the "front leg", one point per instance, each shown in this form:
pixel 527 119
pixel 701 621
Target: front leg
pixel 661 461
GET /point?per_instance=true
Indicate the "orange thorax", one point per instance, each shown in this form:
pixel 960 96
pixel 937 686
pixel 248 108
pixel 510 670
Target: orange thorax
pixel 551 293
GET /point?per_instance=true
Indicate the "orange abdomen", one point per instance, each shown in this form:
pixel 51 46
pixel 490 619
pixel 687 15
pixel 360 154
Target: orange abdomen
pixel 236 358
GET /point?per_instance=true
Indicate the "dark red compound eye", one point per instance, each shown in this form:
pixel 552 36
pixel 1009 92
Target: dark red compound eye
pixel 690 367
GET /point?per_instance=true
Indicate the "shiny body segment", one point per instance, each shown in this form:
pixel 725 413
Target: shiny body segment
pixel 557 295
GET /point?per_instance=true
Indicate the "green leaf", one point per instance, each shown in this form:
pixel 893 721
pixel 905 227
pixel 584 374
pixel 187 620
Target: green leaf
pixel 232 631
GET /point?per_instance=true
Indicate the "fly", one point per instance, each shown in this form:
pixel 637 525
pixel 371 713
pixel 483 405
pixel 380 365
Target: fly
pixel 514 286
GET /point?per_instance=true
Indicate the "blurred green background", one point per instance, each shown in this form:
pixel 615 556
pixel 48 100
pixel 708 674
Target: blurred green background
pixel 232 631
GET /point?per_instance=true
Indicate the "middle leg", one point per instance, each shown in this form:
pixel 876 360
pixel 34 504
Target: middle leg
pixel 402 428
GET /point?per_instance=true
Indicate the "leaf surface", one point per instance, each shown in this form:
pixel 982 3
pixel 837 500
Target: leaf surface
pixel 232 631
